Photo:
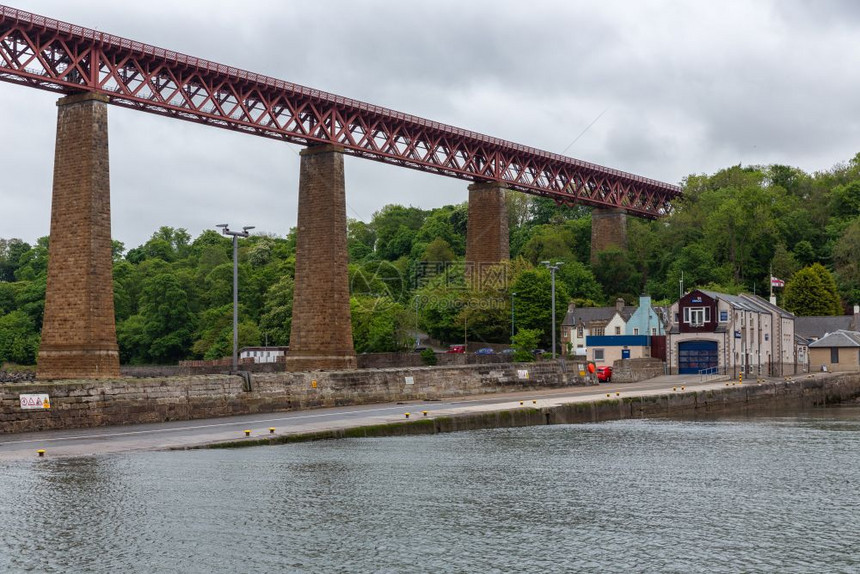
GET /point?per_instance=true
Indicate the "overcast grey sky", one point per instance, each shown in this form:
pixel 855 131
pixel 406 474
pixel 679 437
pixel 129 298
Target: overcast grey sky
pixel 684 87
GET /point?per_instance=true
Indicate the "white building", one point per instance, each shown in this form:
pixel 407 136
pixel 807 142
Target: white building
pixel 263 354
pixel 731 334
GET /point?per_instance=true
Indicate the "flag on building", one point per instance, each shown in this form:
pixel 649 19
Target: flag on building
pixel 774 282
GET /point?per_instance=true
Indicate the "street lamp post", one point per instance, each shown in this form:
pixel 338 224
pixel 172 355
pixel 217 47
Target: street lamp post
pixel 235 235
pixel 553 267
pixel 513 294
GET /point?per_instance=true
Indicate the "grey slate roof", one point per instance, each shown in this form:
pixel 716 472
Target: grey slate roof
pixel 762 302
pixel 588 314
pixel 838 339
pixel 817 327
pixel 746 302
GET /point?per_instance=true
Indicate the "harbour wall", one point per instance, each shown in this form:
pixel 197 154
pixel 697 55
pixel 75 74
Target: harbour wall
pixel 92 403
pixel 754 398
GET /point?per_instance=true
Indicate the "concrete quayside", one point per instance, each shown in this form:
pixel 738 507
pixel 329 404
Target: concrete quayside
pixel 659 397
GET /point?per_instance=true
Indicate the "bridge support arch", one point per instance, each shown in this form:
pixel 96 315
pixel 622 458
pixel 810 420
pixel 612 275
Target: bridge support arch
pixel 487 239
pixel 79 328
pixel 608 229
pixel 321 331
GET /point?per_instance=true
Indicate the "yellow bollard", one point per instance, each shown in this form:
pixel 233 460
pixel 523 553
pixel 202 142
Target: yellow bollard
pixel 271 430
pixel 424 413
pixel 617 394
pixel 41 452
pixel 683 388
pixel 521 403
pixel 674 388
pixel 407 415
pixel 247 433
pixel 607 394
pixel 534 402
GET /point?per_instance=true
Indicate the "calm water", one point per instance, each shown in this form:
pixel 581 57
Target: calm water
pixel 778 494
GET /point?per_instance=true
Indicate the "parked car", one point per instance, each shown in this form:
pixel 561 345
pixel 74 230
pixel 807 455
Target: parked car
pixel 538 352
pixel 507 352
pixel 456 349
pixel 485 351
pixel 604 374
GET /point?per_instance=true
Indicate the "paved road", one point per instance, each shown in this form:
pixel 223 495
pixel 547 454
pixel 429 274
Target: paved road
pixel 178 434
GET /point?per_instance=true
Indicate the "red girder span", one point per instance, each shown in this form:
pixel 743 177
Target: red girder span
pixel 44 53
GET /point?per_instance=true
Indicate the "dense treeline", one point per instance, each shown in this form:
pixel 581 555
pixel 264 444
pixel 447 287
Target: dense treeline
pixel 173 294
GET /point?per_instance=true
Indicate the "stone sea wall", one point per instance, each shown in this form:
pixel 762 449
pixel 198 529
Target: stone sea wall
pixel 751 398
pixel 79 404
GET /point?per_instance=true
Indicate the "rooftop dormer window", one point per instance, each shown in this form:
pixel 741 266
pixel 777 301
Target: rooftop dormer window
pixel 697 316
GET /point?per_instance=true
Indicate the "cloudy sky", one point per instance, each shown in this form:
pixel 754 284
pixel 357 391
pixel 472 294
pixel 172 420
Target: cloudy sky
pixel 667 88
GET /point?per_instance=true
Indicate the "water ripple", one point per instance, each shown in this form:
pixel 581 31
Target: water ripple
pixel 731 495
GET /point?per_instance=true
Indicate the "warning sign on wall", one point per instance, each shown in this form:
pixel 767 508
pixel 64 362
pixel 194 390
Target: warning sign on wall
pixel 30 402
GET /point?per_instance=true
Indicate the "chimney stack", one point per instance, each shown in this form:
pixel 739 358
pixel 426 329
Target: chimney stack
pixel 619 304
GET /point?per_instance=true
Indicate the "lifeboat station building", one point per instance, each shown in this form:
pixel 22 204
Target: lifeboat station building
pixel 717 333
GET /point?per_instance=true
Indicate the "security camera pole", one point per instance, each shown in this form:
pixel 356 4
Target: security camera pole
pixel 236 235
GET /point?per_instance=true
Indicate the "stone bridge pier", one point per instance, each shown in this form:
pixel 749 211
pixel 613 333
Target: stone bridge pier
pixel 487 240
pixel 321 331
pixel 608 229
pixel 79 329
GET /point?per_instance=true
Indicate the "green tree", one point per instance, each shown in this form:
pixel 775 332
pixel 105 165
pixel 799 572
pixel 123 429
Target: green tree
pixel 846 260
pixel 438 250
pixel 617 274
pixel 377 324
pixel 11 251
pixel 523 343
pixel 19 339
pixel 360 239
pixel 167 319
pixel 534 302
pixel 548 242
pixel 276 318
pixel 812 292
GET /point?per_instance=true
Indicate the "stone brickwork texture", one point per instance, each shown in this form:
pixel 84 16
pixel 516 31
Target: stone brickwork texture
pixel 79 330
pixel 487 238
pixel 321 331
pixel 608 229
pixel 89 403
pixel 80 404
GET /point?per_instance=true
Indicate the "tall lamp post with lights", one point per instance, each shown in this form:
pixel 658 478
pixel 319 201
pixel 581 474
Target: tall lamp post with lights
pixel 553 267
pixel 235 235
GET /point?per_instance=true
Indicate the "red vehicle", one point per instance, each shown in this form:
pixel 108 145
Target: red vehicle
pixel 456 349
pixel 604 374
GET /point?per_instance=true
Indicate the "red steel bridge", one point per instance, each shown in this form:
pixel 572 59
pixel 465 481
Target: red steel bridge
pixel 51 55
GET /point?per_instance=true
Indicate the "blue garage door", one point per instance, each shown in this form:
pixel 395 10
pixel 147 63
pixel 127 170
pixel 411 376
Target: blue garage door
pixel 693 356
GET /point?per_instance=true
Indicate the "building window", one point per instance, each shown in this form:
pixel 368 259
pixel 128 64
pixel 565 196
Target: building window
pixel 598 331
pixel 697 316
pixel 617 330
pixel 653 330
pixel 635 330
pixel 834 355
pixel 598 354
pixel 579 331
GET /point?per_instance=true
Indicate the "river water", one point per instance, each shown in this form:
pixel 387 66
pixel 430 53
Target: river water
pixel 766 494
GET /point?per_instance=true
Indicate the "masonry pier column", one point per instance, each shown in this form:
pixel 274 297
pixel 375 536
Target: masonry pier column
pixel 608 229
pixel 79 329
pixel 321 332
pixel 487 241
